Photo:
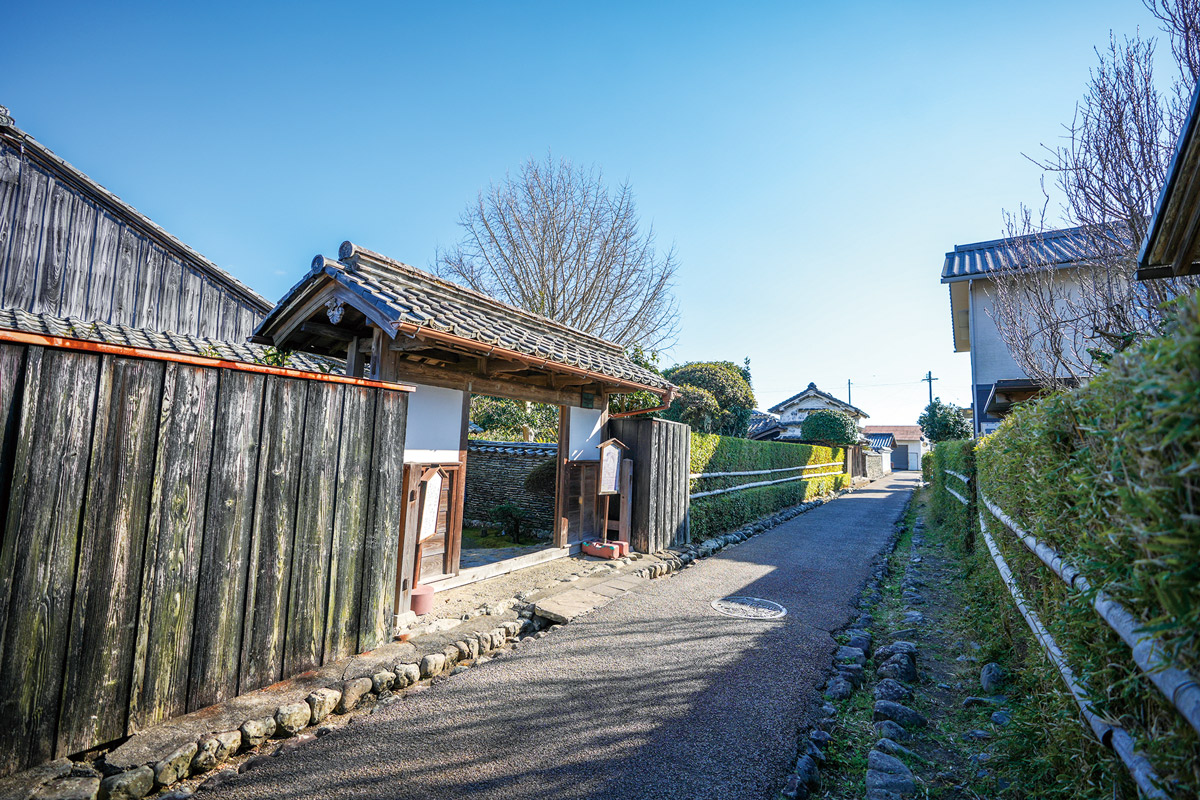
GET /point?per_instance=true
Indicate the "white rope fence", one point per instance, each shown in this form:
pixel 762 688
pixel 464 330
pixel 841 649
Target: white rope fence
pixel 697 475
pixel 1114 736
pixel 740 487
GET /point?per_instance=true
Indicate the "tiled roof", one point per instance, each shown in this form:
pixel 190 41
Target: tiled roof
pixel 405 294
pixel 1052 248
pixel 761 422
pixel 881 440
pixel 547 449
pixel 125 336
pixel 906 432
pixel 813 391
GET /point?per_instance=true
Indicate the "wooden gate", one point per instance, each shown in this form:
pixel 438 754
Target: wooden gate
pixel 661 453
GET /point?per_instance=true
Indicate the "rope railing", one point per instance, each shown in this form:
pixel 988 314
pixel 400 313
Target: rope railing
pixel 740 487
pixel 1179 687
pixel 698 475
pixel 958 475
pixel 1111 734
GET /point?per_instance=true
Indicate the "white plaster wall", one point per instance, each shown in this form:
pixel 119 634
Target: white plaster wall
pixel 585 427
pixel 993 362
pixel 433 432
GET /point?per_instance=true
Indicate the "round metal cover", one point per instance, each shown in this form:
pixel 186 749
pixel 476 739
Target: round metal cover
pixel 749 608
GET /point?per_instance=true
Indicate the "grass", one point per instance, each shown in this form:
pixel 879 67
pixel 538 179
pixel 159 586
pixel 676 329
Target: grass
pixel 475 538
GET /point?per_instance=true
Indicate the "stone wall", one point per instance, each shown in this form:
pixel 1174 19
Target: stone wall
pixel 496 474
pixel 874 465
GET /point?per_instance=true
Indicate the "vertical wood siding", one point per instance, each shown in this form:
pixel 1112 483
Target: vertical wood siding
pixel 65 252
pixel 661 453
pixel 176 535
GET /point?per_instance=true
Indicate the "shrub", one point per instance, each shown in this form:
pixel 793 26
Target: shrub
pixel 724 512
pixel 729 386
pixel 696 407
pixel 942 422
pixel 830 426
pixel 509 517
pixel 1109 476
pixel 956 456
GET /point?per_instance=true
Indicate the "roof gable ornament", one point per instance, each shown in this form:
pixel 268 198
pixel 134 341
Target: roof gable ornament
pixel 335 309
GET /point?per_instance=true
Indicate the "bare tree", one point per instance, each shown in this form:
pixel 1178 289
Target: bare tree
pixel 555 240
pixel 1066 324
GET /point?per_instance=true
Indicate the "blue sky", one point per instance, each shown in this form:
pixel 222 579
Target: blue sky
pixel 812 163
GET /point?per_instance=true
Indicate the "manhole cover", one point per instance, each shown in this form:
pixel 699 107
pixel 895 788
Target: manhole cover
pixel 749 608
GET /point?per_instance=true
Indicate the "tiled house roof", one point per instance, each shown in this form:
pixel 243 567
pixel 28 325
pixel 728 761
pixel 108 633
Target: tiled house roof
pixel 1052 248
pixel 901 432
pixel 881 440
pixel 548 449
pixel 125 336
pixel 405 295
pixel 813 391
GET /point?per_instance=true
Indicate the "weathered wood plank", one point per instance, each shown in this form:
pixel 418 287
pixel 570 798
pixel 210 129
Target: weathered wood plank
pixel 209 321
pixel 383 531
pixel 10 191
pixel 173 544
pixel 269 570
pixel 127 282
pixel 169 295
pixel 102 271
pixel 12 369
pixel 149 298
pixel 350 523
pixel 221 601
pixel 38 561
pixel 73 299
pixel 305 642
pixel 21 271
pixel 191 285
pixel 108 581
pixel 53 260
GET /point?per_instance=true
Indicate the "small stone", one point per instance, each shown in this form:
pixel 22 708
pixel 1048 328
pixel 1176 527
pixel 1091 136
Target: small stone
pixel 890 730
pixel 459 669
pixel 889 774
pixel 820 738
pixel 290 719
pixel 992 677
pixel 1001 718
pixel 977 735
pixel 973 701
pixel 323 702
pixel 860 639
pixel 68 788
pixel 900 646
pixel 901 714
pixel 257 731
pixel 828 710
pixel 838 688
pixel 850 655
pixel 382 681
pixel 808 772
pixel 132 785
pixel 899 667
pixel 174 767
pixel 407 674
pixel 218 780
pixel 852 673
pixel 353 692
pixel 253 763
pixel 893 748
pixel 914 617
pixel 295 743
pixel 794 789
pixel 894 690
pixel 432 664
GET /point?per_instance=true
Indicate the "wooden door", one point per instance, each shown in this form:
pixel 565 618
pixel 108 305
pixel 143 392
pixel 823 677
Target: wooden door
pixel 437 527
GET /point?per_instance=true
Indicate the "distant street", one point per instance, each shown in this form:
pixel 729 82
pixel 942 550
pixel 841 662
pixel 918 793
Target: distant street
pixel 655 695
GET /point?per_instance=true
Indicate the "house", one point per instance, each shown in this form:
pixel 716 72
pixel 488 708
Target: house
pixel 884 444
pixel 909 443
pixel 791 413
pixel 72 250
pixel 1172 245
pixel 997 382
pixel 763 425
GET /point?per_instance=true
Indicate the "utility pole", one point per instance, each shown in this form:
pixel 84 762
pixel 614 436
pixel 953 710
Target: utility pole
pixel 930 379
pixel 849 402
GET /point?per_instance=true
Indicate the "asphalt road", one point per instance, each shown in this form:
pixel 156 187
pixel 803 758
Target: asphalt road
pixel 653 696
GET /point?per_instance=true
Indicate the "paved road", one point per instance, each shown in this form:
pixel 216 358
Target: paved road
pixel 653 696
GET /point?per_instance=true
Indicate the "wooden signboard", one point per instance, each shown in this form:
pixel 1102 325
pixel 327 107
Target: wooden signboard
pixel 611 452
pixel 427 526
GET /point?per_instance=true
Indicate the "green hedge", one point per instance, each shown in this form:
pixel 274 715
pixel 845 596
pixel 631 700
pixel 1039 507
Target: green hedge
pixel 725 512
pixel 957 455
pixel 1109 475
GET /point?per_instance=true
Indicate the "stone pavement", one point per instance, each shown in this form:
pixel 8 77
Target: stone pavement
pixel 653 695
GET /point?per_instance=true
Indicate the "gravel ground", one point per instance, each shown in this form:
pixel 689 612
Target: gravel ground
pixel 456 602
pixel 653 696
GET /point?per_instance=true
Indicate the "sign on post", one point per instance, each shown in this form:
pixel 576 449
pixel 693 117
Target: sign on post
pixel 611 453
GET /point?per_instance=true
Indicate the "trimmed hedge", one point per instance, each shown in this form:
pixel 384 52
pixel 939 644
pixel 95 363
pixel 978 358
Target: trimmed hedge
pixel 1109 476
pixel 958 456
pixel 725 512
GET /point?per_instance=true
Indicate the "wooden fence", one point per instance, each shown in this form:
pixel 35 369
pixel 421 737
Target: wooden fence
pixel 179 532
pixel 661 453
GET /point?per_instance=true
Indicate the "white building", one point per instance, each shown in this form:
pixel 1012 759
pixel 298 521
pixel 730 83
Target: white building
pixel 791 412
pixel 996 380
pixel 910 444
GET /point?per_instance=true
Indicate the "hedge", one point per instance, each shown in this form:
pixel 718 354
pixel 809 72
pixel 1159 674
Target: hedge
pixel 725 512
pixel 1109 476
pixel 957 455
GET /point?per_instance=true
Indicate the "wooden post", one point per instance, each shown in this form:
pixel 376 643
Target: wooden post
pixel 560 480
pixel 459 498
pixel 626 500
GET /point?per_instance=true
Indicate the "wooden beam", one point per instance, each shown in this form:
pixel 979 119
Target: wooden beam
pixel 455 379
pixel 329 331
pixel 560 479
